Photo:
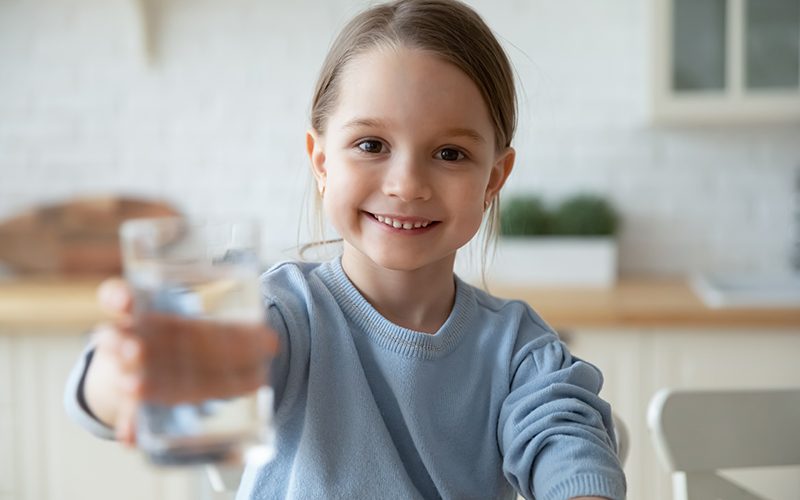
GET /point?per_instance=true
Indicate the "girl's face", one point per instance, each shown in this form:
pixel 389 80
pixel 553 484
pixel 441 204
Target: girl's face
pixel 408 160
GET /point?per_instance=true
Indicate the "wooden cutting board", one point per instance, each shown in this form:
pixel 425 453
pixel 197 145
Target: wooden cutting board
pixel 79 236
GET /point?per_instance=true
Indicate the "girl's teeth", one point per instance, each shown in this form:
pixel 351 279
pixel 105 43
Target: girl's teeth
pixel 400 225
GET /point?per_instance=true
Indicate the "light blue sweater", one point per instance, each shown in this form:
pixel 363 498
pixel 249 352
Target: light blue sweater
pixel 490 404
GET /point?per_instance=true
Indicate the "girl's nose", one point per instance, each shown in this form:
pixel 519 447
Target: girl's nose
pixel 407 179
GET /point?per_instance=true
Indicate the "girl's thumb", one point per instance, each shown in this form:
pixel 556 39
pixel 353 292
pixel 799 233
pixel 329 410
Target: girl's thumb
pixel 115 296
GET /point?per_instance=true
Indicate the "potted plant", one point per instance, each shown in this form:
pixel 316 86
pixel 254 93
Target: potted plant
pixel 571 244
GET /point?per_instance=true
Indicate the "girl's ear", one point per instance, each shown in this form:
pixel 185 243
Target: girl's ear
pixel 316 153
pixel 500 171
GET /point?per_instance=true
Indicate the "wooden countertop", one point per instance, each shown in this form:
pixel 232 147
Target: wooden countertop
pixel 68 305
pixel 638 303
pixel 56 304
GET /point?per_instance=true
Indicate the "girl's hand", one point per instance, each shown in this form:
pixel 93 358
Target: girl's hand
pixel 168 359
pixel 184 360
pixel 108 387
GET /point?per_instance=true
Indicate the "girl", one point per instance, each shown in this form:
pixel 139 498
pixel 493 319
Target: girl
pixel 395 379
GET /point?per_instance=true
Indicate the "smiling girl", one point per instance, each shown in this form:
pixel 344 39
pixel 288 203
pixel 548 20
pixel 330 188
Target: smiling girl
pixel 395 379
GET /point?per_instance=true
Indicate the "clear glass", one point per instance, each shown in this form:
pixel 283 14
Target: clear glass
pixel 698 45
pixel 772 42
pixel 207 270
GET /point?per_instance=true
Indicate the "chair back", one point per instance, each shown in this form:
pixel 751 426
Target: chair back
pixel 698 432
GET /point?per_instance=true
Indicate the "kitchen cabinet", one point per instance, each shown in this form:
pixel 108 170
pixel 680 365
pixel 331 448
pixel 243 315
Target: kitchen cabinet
pixel 43 454
pixel 637 362
pixel 644 334
pixel 721 61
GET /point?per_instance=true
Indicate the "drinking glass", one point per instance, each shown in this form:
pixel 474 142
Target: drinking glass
pixel 209 270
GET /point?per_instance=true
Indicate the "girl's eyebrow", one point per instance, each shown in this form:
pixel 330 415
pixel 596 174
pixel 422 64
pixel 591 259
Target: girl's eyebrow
pixel 465 132
pixel 365 122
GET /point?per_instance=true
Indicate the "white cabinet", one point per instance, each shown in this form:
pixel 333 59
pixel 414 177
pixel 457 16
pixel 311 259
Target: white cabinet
pixel 636 363
pixel 720 61
pixel 6 428
pixel 44 455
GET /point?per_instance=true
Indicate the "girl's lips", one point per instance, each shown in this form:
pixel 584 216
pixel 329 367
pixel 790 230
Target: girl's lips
pixel 405 221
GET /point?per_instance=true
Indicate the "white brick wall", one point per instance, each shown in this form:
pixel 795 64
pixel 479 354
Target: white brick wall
pixel 216 122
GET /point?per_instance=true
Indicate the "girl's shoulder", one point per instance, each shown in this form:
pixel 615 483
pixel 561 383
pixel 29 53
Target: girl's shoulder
pixel 509 309
pixel 282 268
pixel 515 318
pixel 290 281
pixel 518 333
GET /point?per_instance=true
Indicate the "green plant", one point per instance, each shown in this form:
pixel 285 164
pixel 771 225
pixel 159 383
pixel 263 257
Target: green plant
pixel 584 215
pixel 524 216
pixel 578 215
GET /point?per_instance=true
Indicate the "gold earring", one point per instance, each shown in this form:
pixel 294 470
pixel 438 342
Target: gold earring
pixel 486 204
pixel 322 190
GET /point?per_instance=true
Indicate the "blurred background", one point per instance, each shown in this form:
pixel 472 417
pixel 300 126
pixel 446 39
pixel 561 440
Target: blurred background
pixel 685 115
pixel 205 104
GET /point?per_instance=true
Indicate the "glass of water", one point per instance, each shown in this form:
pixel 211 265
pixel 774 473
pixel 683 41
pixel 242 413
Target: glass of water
pixel 207 270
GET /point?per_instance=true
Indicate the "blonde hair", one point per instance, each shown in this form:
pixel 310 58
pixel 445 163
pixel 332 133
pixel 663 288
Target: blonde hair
pixel 447 28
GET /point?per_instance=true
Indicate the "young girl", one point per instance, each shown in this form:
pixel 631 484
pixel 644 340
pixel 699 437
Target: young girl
pixel 395 379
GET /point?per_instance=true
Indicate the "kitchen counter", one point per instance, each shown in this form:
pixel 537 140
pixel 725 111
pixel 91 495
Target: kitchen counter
pixel 47 303
pixel 643 302
pixel 68 305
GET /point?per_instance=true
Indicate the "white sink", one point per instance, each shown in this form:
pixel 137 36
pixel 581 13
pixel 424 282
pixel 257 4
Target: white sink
pixel 748 290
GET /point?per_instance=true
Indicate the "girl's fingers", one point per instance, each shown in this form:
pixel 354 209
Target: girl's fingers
pixel 170 359
pixel 188 360
pixel 206 345
pixel 194 388
pixel 115 296
pixel 115 343
pixel 122 344
pixel 125 428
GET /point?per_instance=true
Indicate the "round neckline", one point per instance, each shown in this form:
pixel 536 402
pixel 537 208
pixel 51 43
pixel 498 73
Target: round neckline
pixel 404 341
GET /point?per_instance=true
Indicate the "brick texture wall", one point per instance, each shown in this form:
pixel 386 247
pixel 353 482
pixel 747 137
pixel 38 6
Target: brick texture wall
pixel 215 120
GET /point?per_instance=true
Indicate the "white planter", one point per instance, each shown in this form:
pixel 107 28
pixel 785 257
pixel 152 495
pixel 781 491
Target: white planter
pixel 550 261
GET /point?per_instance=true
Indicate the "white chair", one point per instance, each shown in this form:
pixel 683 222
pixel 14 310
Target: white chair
pixel 623 439
pixel 698 432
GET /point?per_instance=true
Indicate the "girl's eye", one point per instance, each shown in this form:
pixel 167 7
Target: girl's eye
pixel 450 154
pixel 370 146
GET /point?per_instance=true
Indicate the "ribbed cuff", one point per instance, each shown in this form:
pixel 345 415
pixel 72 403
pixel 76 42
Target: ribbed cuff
pixel 586 485
pixel 74 402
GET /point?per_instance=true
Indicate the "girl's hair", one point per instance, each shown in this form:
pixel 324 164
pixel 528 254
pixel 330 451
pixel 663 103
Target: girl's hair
pixel 447 28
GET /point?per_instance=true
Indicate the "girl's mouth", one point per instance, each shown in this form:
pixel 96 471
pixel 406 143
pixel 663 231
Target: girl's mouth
pixel 403 223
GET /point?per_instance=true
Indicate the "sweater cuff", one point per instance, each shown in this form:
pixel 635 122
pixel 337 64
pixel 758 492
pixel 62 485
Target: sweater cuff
pixel 587 485
pixel 75 403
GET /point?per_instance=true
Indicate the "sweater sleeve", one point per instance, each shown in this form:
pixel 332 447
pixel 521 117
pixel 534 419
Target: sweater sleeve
pixel 556 434
pixel 279 365
pixel 74 401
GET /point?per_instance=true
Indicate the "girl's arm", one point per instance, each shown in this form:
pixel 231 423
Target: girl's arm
pixel 556 434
